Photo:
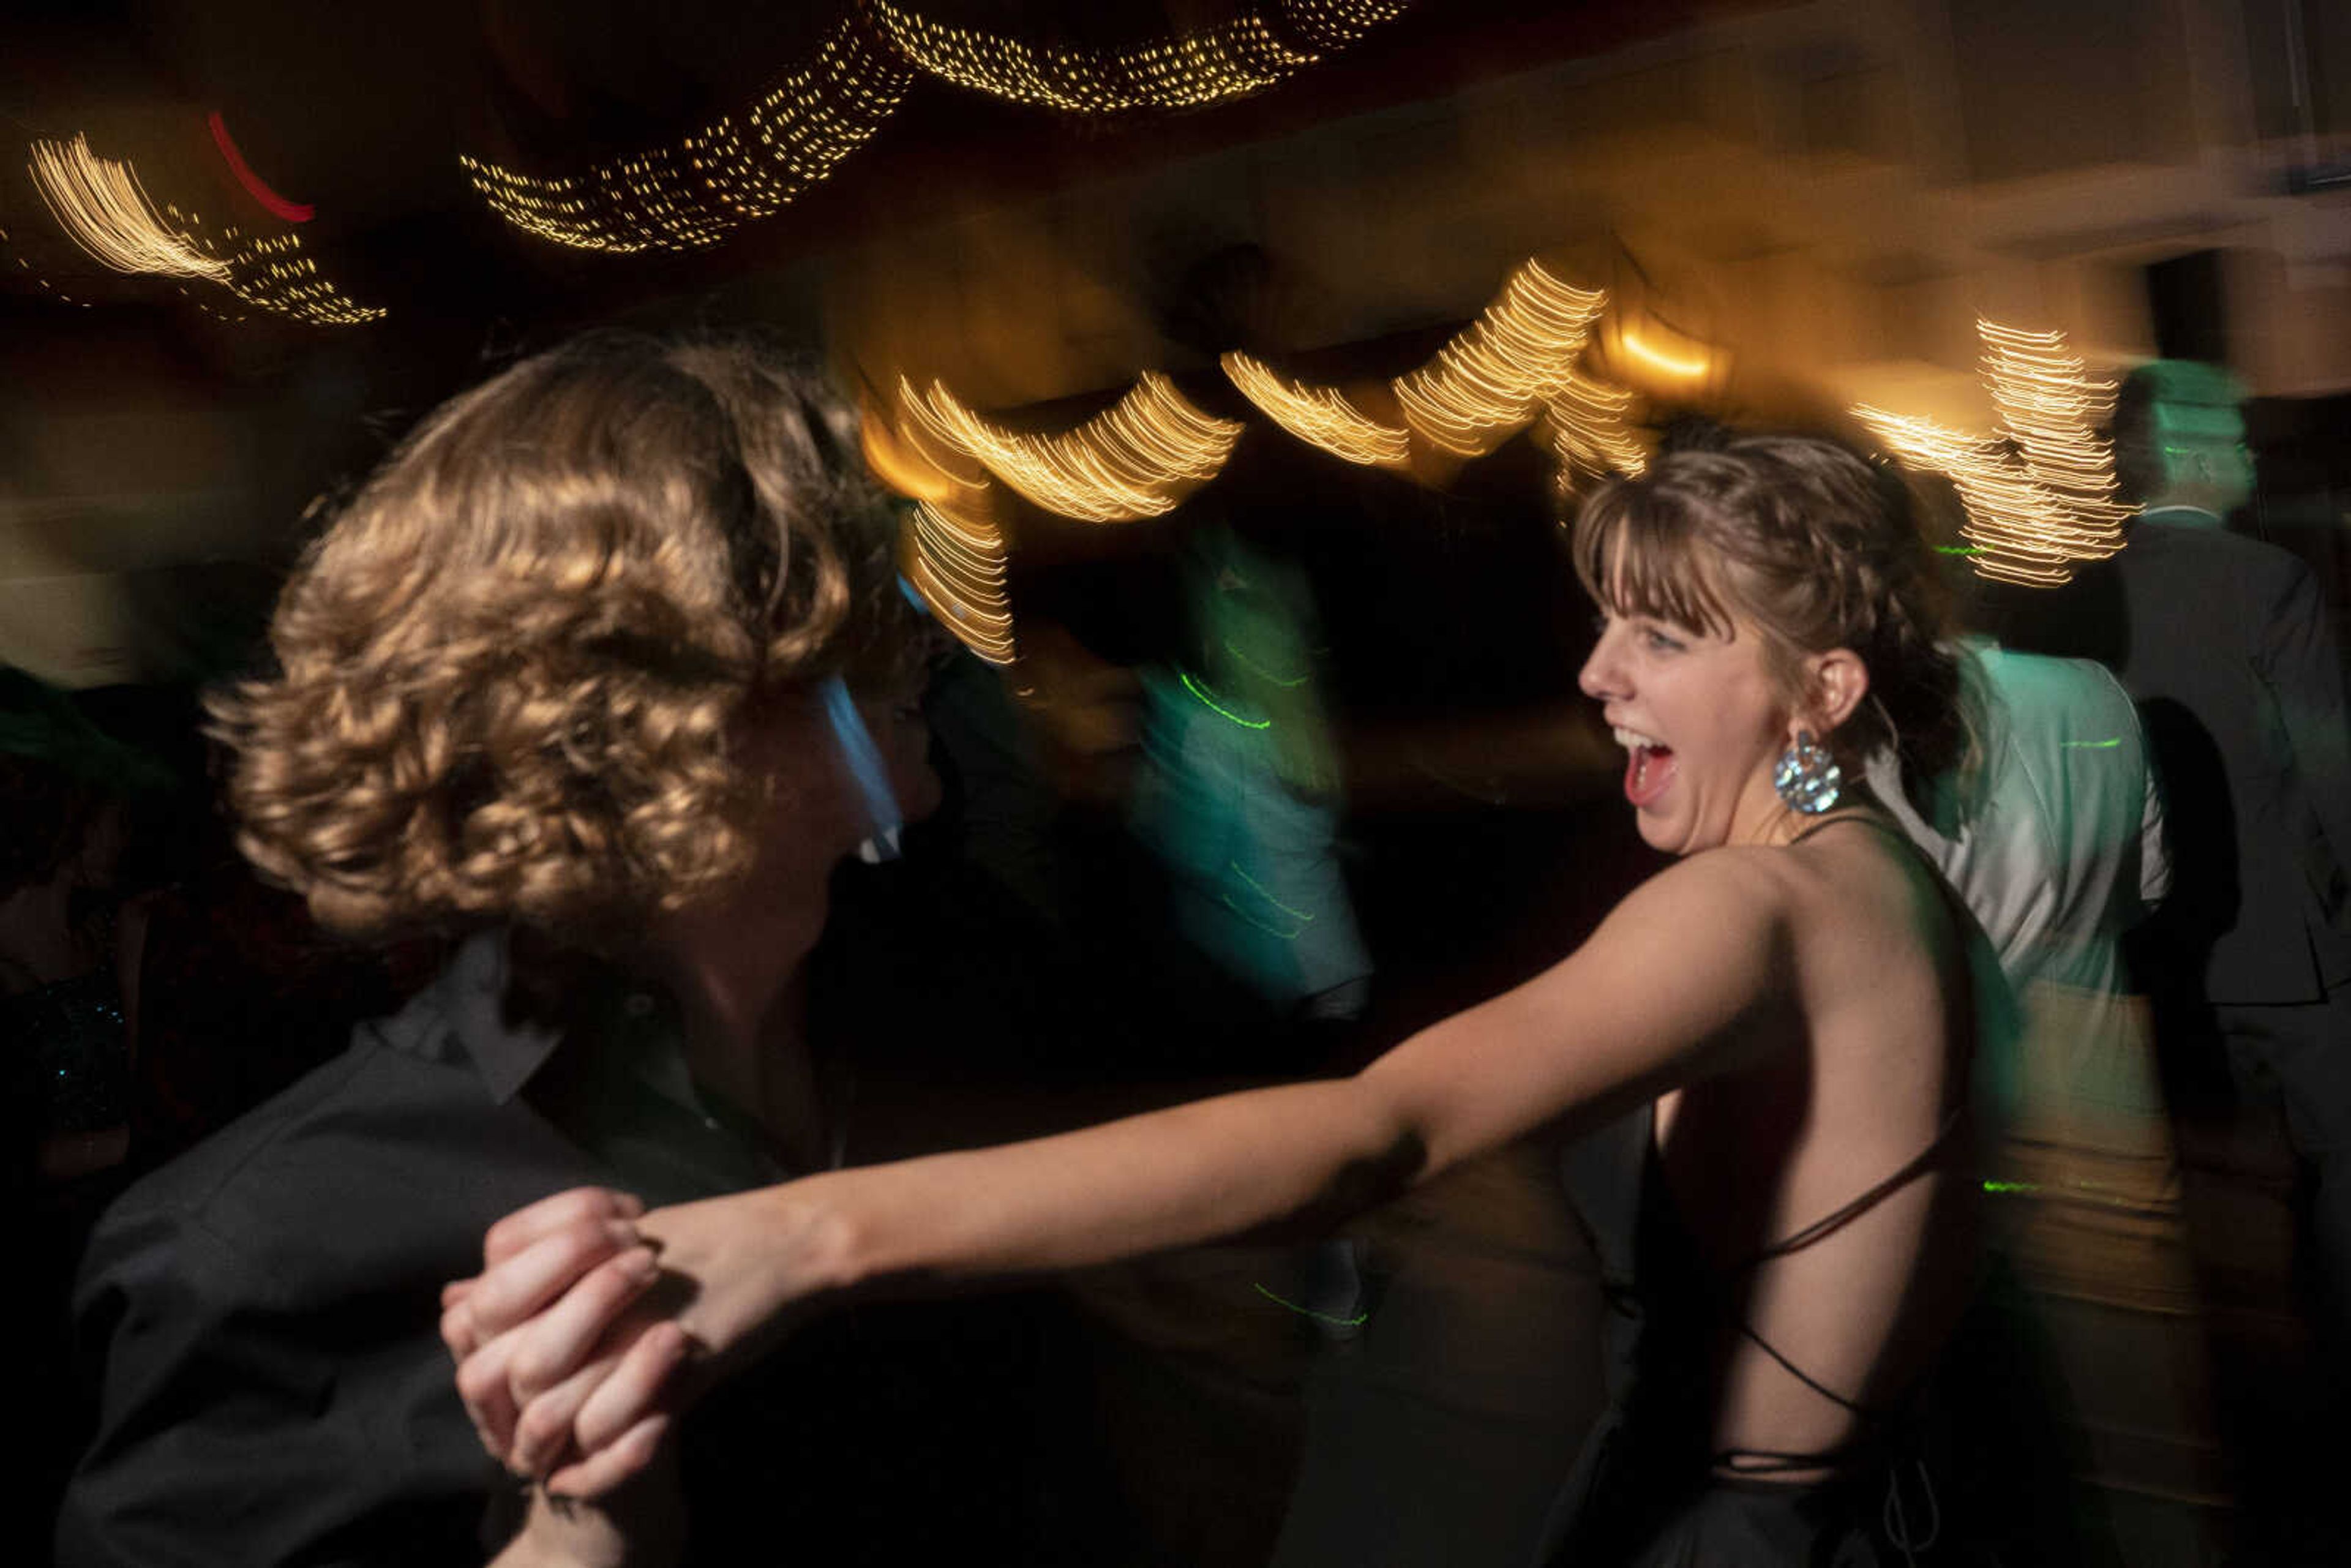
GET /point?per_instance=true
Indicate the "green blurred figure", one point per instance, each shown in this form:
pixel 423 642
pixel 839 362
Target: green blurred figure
pixel 1239 793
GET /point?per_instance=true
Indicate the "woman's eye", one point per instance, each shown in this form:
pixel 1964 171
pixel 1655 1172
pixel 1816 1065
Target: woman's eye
pixel 1659 641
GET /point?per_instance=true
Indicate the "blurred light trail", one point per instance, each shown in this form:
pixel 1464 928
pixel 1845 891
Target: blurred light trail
pixel 2039 494
pixel 1243 55
pixel 292 211
pixel 958 565
pixel 1320 416
pixel 691 195
pixel 1138 458
pixel 100 205
pixel 1485 384
pixel 1672 364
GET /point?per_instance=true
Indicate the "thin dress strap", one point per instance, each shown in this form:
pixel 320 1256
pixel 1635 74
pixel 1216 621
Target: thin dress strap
pixel 1838 1219
pixel 1856 814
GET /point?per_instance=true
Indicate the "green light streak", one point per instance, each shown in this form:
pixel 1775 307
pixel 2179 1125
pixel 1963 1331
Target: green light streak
pixel 2011 1187
pixel 1260 671
pixel 1214 707
pixel 1958 549
pixel 1358 1321
pixel 1298 915
pixel 2093 744
pixel 1291 936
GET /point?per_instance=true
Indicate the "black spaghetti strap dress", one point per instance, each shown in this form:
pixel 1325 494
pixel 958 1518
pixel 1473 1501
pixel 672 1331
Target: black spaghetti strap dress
pixel 1647 1489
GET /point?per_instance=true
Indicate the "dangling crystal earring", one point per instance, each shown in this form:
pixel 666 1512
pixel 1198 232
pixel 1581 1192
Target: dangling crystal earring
pixel 1808 778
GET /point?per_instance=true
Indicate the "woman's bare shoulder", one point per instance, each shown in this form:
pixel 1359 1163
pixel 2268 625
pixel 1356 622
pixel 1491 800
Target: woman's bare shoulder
pixel 1720 904
pixel 1833 886
pixel 1863 898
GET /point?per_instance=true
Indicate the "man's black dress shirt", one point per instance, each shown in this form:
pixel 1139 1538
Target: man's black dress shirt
pixel 274 1388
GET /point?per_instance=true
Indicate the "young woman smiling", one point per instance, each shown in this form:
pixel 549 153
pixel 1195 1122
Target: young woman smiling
pixel 1770 1041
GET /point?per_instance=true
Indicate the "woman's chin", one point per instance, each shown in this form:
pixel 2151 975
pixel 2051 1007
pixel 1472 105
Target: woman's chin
pixel 1658 831
pixel 1674 833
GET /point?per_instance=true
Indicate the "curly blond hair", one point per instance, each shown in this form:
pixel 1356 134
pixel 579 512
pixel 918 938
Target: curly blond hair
pixel 1814 546
pixel 513 670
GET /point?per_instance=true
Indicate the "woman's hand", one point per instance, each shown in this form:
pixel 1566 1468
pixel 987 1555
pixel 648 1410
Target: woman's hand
pixel 566 1350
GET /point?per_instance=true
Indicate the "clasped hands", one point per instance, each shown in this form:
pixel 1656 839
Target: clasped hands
pixel 570 1341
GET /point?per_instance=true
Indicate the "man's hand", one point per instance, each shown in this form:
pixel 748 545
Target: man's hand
pixel 578 1258
pixel 641 1525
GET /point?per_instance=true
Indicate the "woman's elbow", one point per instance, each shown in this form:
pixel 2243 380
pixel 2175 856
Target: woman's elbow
pixel 1387 1154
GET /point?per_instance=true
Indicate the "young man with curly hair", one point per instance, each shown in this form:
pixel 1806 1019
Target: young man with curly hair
pixel 597 679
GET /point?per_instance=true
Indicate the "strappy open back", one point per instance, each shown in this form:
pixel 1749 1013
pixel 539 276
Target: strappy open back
pixel 1753 1461
pixel 1721 1290
pixel 1671 1307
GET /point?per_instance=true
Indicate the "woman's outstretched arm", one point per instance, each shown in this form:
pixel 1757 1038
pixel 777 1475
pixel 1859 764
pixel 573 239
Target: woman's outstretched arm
pixel 1663 993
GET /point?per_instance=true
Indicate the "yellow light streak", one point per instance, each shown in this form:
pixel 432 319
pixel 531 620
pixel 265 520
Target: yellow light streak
pixel 270 272
pixel 1486 383
pixel 2039 494
pixel 101 206
pixel 1138 458
pixel 956 562
pixel 1588 425
pixel 1233 59
pixel 1672 364
pixel 691 195
pixel 1320 416
pixel 2052 409
pixel 901 460
pixel 2007 517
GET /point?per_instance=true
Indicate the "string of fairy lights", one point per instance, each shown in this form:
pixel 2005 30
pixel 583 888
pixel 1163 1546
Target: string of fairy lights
pixel 727 173
pixel 1588 425
pixel 1516 363
pixel 959 564
pixel 1320 416
pixel 2040 492
pixel 1486 385
pixel 951 548
pixel 104 209
pixel 45 285
pixel 1137 458
pixel 690 195
pixel 1245 55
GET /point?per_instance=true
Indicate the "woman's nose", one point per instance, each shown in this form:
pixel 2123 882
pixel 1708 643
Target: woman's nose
pixel 1600 676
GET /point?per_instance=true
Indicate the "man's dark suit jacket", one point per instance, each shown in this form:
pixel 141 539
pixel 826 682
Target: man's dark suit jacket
pixel 2225 644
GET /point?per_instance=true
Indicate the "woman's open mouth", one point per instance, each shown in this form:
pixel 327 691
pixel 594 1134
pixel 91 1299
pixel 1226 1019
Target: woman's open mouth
pixel 1648 767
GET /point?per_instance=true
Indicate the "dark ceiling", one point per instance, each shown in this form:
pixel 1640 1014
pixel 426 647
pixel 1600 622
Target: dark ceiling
pixel 361 109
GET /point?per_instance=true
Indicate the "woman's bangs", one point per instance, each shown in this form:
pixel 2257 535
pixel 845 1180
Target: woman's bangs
pixel 1648 561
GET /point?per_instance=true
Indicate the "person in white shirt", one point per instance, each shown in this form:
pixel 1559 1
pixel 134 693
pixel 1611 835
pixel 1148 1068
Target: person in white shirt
pixel 2053 835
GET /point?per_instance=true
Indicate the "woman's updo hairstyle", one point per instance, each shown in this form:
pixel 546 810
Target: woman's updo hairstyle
pixel 512 673
pixel 1811 544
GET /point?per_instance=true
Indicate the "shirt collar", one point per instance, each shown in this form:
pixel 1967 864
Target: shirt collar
pixel 638 1106
pixel 472 995
pixel 2184 517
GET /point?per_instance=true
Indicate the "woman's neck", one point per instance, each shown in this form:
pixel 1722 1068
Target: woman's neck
pixel 1778 824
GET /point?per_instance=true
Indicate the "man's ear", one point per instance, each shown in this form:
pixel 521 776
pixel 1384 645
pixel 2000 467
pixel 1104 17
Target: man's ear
pixel 1839 682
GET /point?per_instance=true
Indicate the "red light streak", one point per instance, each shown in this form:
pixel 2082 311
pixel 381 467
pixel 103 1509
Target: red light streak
pixel 292 211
